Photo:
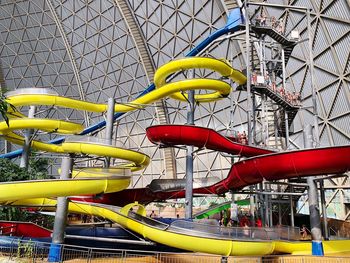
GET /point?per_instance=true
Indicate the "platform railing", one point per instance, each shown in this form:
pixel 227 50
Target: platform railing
pixel 221 232
pixel 236 233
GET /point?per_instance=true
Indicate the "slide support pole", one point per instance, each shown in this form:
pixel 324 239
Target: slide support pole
pixel 55 253
pixel 291 202
pixel 189 158
pixel 27 140
pixel 315 220
pixel 324 210
pixel 249 93
pixel 109 126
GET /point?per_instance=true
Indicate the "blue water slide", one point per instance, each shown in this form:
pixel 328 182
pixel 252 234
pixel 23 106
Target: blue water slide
pixel 234 21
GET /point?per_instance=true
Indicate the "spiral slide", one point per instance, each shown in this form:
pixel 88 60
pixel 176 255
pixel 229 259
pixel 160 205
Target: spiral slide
pixel 233 24
pixel 86 145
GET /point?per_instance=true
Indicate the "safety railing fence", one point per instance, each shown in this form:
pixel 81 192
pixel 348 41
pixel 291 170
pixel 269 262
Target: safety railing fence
pixel 250 233
pixel 28 251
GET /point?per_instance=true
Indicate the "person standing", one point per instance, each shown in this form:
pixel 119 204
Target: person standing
pixel 258 222
pixel 153 214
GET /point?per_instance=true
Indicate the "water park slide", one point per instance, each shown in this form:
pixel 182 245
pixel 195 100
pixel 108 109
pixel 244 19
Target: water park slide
pixel 180 238
pixel 138 161
pixel 90 183
pixel 33 96
pixel 214 242
pixel 86 145
pixel 301 163
pixel 234 22
pixel 172 135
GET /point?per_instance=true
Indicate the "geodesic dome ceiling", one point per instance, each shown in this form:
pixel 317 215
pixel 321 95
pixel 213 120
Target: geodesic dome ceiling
pixel 94 50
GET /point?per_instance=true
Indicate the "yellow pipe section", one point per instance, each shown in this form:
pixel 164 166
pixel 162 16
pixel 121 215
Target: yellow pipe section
pixel 54 188
pixel 220 66
pixel 222 89
pixel 47 125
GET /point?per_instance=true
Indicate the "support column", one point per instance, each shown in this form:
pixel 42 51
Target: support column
pixel 324 210
pixel 234 209
pixel 189 158
pixel 315 221
pixel 264 121
pixel 286 123
pixel 267 207
pixel 279 206
pixel 283 68
pixel 252 207
pixel 254 120
pixel 312 78
pixel 55 254
pixel 249 93
pixel 262 204
pixel 276 129
pixel 109 126
pixel 291 207
pixel 27 141
pixel 270 210
pixel 284 86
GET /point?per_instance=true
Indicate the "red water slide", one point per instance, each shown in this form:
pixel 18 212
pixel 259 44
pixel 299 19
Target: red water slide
pixel 172 135
pixel 265 165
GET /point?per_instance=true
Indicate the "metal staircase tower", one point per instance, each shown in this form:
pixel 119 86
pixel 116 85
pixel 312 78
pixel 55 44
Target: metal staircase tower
pixel 263 84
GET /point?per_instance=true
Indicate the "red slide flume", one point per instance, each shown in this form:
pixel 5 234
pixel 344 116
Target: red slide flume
pixel 263 164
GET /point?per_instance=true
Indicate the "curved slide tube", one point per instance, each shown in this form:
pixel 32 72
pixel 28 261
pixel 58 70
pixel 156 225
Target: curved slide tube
pixel 308 162
pixel 184 238
pixel 172 135
pixel 31 189
pixel 90 183
pixel 233 24
pixel 39 97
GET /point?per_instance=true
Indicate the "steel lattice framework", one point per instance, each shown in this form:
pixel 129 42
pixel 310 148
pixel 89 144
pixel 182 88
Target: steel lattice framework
pixel 93 50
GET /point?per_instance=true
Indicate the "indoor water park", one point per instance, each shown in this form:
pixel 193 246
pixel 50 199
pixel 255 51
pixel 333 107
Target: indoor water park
pixel 175 131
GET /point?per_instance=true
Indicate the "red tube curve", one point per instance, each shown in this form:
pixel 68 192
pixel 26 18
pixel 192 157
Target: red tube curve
pixel 268 166
pixel 171 135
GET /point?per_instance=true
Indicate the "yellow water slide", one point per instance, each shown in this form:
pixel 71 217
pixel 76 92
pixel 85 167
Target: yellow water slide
pixel 86 181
